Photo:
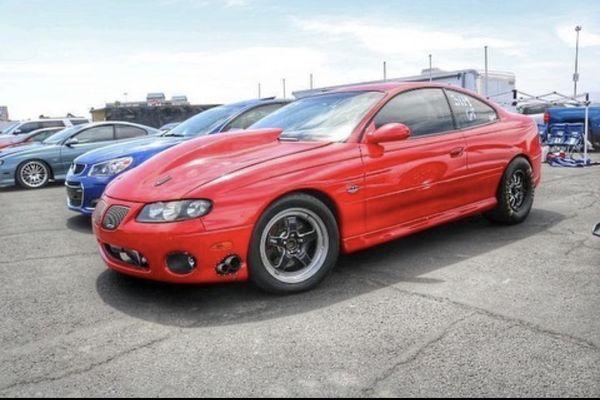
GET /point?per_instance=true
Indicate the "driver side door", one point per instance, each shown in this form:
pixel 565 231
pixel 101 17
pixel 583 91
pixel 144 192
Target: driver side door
pixel 88 139
pixel 410 181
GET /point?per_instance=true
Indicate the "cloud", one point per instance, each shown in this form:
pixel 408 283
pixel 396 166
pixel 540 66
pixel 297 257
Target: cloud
pixel 206 77
pixel 588 39
pixel 208 3
pixel 407 39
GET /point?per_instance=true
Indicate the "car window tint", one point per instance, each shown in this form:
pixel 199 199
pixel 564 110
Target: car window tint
pixel 97 134
pixel 250 117
pixel 29 127
pixel 424 111
pixel 40 137
pixel 52 124
pixel 469 111
pixel 129 132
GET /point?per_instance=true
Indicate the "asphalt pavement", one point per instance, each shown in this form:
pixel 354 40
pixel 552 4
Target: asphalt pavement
pixel 466 309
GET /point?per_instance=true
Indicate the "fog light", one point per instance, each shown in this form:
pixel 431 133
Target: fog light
pixel 181 263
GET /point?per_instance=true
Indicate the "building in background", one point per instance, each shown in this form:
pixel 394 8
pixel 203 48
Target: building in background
pixel 3 114
pixel 156 111
pixel 500 85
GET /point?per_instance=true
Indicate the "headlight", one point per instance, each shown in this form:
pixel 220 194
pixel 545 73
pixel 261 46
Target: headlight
pixel 111 168
pixel 174 211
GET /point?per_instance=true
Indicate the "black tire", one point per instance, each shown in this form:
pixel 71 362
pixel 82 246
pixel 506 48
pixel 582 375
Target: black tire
pixel 511 208
pixel 305 213
pixel 27 177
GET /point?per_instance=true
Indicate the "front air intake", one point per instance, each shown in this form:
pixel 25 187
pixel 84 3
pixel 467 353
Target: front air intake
pixel 114 217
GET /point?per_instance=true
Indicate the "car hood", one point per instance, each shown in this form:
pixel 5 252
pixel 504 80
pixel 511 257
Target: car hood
pixel 25 149
pixel 151 145
pixel 175 173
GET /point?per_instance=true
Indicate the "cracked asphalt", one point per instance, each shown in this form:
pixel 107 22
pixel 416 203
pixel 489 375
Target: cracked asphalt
pixel 467 309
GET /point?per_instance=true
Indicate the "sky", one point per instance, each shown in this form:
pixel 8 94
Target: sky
pixel 67 56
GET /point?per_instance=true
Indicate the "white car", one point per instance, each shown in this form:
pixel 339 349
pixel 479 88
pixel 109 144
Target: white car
pixel 25 127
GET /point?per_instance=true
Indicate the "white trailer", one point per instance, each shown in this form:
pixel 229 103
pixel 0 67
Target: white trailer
pixel 500 84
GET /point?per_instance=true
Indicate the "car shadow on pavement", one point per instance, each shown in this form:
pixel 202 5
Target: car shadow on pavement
pixel 18 188
pixel 80 223
pixel 403 260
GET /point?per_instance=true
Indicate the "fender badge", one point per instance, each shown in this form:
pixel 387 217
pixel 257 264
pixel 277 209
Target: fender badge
pixel 162 181
pixel 352 189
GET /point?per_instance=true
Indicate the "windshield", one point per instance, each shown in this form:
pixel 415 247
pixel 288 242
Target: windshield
pixel 204 122
pixel 61 136
pixel 8 128
pixel 329 117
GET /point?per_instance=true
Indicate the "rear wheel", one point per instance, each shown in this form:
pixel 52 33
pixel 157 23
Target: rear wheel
pixel 294 246
pixel 515 195
pixel 33 174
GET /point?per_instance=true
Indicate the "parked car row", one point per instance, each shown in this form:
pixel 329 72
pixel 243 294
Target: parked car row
pixel 273 192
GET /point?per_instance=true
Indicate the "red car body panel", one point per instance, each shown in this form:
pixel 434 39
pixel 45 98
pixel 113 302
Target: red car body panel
pixel 377 192
pixel 13 141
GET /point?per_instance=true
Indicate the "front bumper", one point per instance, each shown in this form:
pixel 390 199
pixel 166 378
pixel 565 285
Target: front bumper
pixel 155 242
pixel 84 192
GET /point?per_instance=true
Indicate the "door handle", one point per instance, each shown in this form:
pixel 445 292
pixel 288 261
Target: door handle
pixel 457 152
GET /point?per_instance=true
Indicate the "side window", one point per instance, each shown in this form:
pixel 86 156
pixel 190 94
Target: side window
pixel 129 132
pixel 52 124
pixel 424 111
pixel 469 111
pixel 252 116
pixel 29 127
pixel 102 133
pixel 40 137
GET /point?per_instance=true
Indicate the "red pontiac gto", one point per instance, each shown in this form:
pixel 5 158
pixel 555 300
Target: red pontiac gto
pixel 340 171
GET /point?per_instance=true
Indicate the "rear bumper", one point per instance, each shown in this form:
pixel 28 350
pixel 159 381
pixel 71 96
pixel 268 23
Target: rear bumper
pixel 155 242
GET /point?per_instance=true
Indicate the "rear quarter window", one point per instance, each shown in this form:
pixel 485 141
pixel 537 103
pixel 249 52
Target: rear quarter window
pixel 469 111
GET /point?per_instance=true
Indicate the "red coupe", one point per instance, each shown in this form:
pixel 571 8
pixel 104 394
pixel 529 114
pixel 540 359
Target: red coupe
pixel 340 171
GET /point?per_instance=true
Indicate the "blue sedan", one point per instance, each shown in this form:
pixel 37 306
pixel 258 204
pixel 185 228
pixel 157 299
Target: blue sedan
pixel 91 172
pixel 34 166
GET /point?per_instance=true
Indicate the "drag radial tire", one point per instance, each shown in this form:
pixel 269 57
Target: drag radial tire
pixel 33 174
pixel 294 246
pixel 515 194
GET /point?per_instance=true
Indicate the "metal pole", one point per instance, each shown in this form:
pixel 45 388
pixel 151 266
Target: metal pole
pixel 385 70
pixel 311 82
pixel 576 75
pixel 259 91
pixel 587 127
pixel 430 68
pixel 284 92
pixel 486 73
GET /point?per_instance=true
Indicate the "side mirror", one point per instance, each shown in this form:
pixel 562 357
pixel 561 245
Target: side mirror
pixel 389 133
pixel 17 132
pixel 597 230
pixel 71 142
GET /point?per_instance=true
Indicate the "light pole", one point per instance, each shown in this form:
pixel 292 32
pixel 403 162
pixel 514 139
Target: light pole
pixel 430 68
pixel 487 74
pixel 284 91
pixel 576 74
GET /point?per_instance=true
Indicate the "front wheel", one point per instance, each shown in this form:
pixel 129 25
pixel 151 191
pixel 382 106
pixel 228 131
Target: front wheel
pixel 33 174
pixel 515 194
pixel 294 246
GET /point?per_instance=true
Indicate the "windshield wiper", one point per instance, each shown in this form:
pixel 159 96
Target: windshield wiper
pixel 289 139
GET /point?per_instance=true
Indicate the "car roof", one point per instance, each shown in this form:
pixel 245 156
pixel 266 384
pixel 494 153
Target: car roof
pixel 255 102
pixel 391 87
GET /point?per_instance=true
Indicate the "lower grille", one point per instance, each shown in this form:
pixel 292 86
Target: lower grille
pixel 127 256
pixel 113 217
pixel 75 194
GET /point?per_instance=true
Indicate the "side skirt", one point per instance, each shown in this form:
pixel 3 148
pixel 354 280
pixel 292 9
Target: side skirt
pixel 371 239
